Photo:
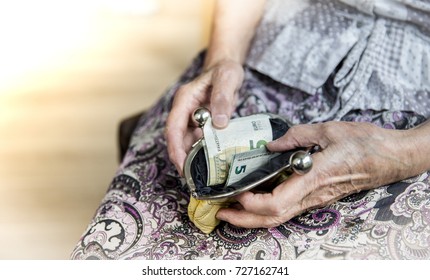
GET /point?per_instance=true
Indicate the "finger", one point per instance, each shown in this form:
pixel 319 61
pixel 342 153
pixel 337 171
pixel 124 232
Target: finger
pixel 176 129
pixel 175 146
pixel 193 134
pixel 300 136
pixel 285 199
pixel 265 204
pixel 223 95
pixel 180 153
pixel 242 218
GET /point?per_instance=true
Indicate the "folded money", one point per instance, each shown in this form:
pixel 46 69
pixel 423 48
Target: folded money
pixel 250 133
pixel 226 162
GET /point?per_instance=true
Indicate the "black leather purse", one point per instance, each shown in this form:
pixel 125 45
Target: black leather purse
pixel 264 179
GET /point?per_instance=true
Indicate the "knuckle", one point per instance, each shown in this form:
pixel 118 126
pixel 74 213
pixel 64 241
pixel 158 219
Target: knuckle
pixel 272 222
pixel 292 134
pixel 182 89
pixel 219 97
pixel 328 128
pixel 328 132
pixel 312 202
pixel 228 73
pixel 275 210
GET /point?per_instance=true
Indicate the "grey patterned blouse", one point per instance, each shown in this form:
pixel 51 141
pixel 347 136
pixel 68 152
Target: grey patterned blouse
pixel 376 53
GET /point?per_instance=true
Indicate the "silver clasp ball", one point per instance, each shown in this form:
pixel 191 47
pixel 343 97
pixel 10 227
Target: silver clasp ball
pixel 201 115
pixel 301 162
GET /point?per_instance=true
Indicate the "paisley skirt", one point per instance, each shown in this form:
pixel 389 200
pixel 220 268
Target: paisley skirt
pixel 144 212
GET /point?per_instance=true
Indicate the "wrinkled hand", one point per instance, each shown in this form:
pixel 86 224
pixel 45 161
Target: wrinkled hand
pixel 353 157
pixel 214 89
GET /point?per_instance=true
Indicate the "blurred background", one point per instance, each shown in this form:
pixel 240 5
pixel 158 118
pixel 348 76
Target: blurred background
pixel 70 71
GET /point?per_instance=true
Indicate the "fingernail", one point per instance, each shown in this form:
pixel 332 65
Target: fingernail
pixel 220 120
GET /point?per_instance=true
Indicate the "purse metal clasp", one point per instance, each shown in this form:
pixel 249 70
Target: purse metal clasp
pixel 298 161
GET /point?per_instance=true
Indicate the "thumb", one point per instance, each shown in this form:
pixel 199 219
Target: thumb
pixel 299 136
pixel 223 95
pixel 222 105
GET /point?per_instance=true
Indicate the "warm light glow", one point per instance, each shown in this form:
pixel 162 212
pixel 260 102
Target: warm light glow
pixel 37 36
pixel 133 7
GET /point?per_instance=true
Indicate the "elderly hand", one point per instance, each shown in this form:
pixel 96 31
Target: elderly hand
pixel 353 157
pixel 214 89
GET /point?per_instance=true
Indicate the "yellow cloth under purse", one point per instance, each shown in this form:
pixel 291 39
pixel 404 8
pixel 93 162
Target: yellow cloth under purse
pixel 203 213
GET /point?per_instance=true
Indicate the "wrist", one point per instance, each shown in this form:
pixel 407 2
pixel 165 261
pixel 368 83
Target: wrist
pixel 233 30
pixel 218 56
pixel 420 146
pixel 414 150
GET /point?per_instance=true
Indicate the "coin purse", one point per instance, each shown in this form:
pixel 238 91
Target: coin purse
pixel 264 179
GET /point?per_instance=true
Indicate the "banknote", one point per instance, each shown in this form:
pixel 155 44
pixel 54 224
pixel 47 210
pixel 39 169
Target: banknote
pixel 245 163
pixel 241 135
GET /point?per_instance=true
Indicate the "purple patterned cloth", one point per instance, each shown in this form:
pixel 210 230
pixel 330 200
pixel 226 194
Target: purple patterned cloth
pixel 144 212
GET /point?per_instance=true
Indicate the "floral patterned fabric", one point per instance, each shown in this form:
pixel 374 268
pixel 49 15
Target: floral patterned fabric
pixel 144 212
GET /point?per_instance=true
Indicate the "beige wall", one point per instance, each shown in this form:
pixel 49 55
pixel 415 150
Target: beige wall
pixel 59 115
